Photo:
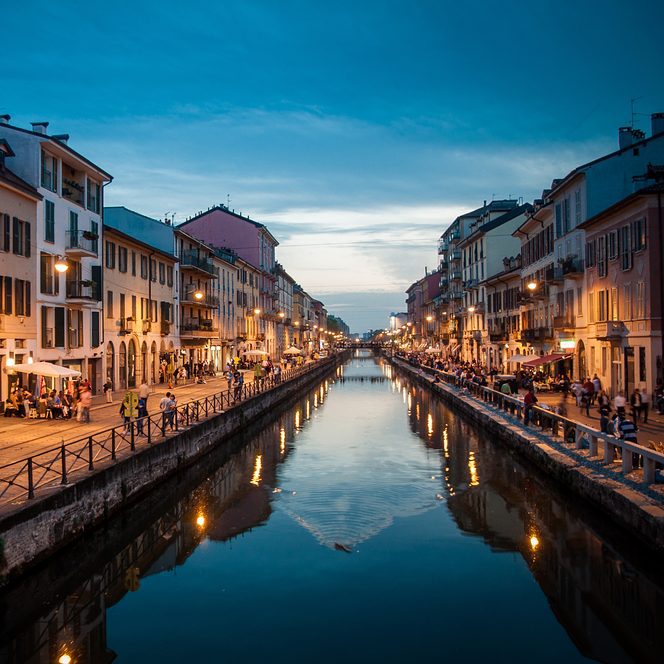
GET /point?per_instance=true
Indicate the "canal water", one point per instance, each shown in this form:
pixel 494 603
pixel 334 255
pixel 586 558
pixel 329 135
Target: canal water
pixel 364 523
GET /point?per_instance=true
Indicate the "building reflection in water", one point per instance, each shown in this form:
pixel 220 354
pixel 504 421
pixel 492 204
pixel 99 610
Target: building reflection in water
pixel 235 498
pixel 608 596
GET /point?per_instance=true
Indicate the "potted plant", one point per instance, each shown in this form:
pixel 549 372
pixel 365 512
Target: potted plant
pixel 90 235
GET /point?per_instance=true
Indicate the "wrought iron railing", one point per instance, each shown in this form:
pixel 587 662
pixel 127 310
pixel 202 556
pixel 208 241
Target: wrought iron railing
pixel 21 479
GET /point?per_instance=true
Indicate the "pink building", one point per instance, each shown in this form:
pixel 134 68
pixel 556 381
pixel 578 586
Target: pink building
pixel 253 242
pixel 624 292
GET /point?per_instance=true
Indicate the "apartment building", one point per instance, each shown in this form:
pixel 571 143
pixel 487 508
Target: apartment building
pixel 18 320
pixel 140 288
pixel 225 268
pixel 624 292
pixel 66 240
pixel 285 286
pixel 252 242
pixel 247 311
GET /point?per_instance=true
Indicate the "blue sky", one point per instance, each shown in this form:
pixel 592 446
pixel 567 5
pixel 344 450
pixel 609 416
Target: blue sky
pixel 356 130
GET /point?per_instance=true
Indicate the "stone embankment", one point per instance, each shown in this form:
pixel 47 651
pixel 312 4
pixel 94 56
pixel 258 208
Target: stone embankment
pixel 635 508
pixel 47 523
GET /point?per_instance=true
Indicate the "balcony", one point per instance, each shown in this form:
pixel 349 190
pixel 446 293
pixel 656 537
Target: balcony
pixel 498 335
pixel 190 260
pixel 455 254
pixel 443 281
pixel 456 276
pixel 457 295
pixel 443 265
pixel 126 325
pixel 198 327
pixel 82 292
pixel 536 334
pixel 470 283
pixel 570 268
pixel 81 244
pixel 72 189
pixel 455 234
pixel 563 323
pixel 211 301
pixel 609 330
pixel 443 246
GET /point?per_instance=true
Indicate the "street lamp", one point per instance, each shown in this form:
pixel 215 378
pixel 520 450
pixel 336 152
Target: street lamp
pixel 257 312
pixel 471 310
pixel 531 285
pixel 61 264
pixel 198 294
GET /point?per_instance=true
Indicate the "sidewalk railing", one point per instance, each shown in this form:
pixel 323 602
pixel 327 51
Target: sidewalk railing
pixel 55 466
pixel 602 447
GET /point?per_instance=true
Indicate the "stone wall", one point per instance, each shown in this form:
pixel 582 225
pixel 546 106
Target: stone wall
pixel 633 510
pixel 46 524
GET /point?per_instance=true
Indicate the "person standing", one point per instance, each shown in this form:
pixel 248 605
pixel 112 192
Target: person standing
pixel 142 414
pixel 229 378
pixel 144 392
pixel 597 385
pixel 529 402
pixel 85 403
pixel 645 404
pixel 165 405
pixel 619 404
pixel 635 404
pixel 108 391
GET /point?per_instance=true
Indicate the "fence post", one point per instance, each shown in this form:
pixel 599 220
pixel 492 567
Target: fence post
pixel 31 486
pixel 593 445
pixel 608 451
pixel 113 443
pixel 90 463
pixel 132 433
pixel 163 425
pixel 186 411
pixel 177 418
pixel 627 465
pixel 64 464
pixel 207 405
pixel 149 421
pixel 648 470
pixel 578 439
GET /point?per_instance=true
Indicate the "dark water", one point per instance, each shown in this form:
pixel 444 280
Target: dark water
pixel 367 523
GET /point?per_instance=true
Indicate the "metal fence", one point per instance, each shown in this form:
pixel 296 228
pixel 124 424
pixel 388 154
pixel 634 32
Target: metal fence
pixel 602 447
pixel 55 466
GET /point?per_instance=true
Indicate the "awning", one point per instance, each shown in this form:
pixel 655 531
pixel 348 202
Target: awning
pixel 454 349
pixel 546 359
pixel 46 369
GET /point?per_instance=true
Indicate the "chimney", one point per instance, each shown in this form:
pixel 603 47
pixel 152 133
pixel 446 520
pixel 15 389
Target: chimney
pixel 62 138
pixel 4 119
pixel 39 127
pixel 657 121
pixel 625 137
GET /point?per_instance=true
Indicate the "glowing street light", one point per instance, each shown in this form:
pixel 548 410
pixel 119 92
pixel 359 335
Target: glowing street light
pixel 471 310
pixel 61 265
pixel 198 295
pixel 531 285
pixel 281 315
pixel 429 319
pixel 64 659
pixel 200 520
pixel 257 312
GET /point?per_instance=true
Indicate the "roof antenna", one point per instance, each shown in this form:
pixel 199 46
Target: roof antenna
pixel 228 200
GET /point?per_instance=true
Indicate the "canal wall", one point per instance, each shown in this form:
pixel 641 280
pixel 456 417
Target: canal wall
pixel 45 525
pixel 625 505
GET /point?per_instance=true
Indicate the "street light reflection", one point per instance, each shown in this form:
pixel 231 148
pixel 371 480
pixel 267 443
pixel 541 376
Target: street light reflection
pixel 200 520
pixel 534 542
pixel 258 466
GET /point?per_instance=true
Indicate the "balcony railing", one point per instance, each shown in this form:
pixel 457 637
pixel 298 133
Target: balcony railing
pixel 456 276
pixel 82 290
pixel 612 329
pixel 456 295
pixel 82 243
pixel 569 267
pixel 563 323
pixel 455 254
pixel 165 327
pixel 536 334
pixel 205 301
pixel 198 325
pixel 443 246
pixel 190 259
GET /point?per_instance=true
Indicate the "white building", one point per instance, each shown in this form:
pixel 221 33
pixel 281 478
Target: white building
pixel 68 228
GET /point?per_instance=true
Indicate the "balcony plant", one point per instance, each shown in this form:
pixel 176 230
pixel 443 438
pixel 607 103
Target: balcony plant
pixel 90 235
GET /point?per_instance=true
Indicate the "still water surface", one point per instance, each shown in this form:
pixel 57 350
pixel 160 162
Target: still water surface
pixel 366 523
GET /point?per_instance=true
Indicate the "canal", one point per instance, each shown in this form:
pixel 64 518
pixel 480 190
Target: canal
pixel 364 523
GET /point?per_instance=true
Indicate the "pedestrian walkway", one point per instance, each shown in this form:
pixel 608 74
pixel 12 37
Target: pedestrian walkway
pixel 23 437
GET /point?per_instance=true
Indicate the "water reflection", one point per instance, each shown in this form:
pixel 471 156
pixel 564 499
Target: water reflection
pixel 608 596
pixel 348 477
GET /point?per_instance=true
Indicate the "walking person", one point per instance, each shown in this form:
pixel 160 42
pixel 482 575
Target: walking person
pixel 229 378
pixel 619 403
pixel 144 392
pixel 166 405
pixel 142 414
pixel 626 430
pixel 84 404
pixel 239 381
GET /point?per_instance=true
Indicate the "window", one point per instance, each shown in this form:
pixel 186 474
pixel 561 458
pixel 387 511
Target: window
pixel 122 305
pixel 625 248
pixel 591 307
pixel 8 308
pixel 122 259
pixel 601 256
pixel 640 299
pixel 49 221
pixel 94 196
pixel 614 315
pixel 602 305
pixel 94 329
pixel 109 305
pixel 6 233
pixel 49 174
pixel 144 267
pixel 579 301
pixel 49 278
pixel 639 235
pixel 591 253
pixel 22 297
pixel 627 302
pixel 21 237
pixel 110 255
pixel 577 207
pixel 162 273
pixel 153 269
pixel 613 245
pixel 133 307
pixel 133 263
pixel 169 275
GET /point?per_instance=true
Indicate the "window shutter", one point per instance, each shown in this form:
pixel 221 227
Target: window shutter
pixel 7 233
pixel 94 336
pixel 2 299
pixel 559 221
pixel 97 285
pixel 8 296
pixel 16 235
pixel 28 295
pixel 44 326
pixel 59 327
pixel 27 233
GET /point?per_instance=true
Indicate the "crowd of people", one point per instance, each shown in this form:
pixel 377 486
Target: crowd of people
pixel 588 393
pixel 74 401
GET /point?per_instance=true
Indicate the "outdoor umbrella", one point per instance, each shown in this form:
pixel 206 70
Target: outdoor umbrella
pixel 46 369
pixel 433 351
pixel 292 350
pixel 254 353
pixel 520 358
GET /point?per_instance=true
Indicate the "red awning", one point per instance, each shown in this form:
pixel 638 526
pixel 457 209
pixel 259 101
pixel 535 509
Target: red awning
pixel 545 359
